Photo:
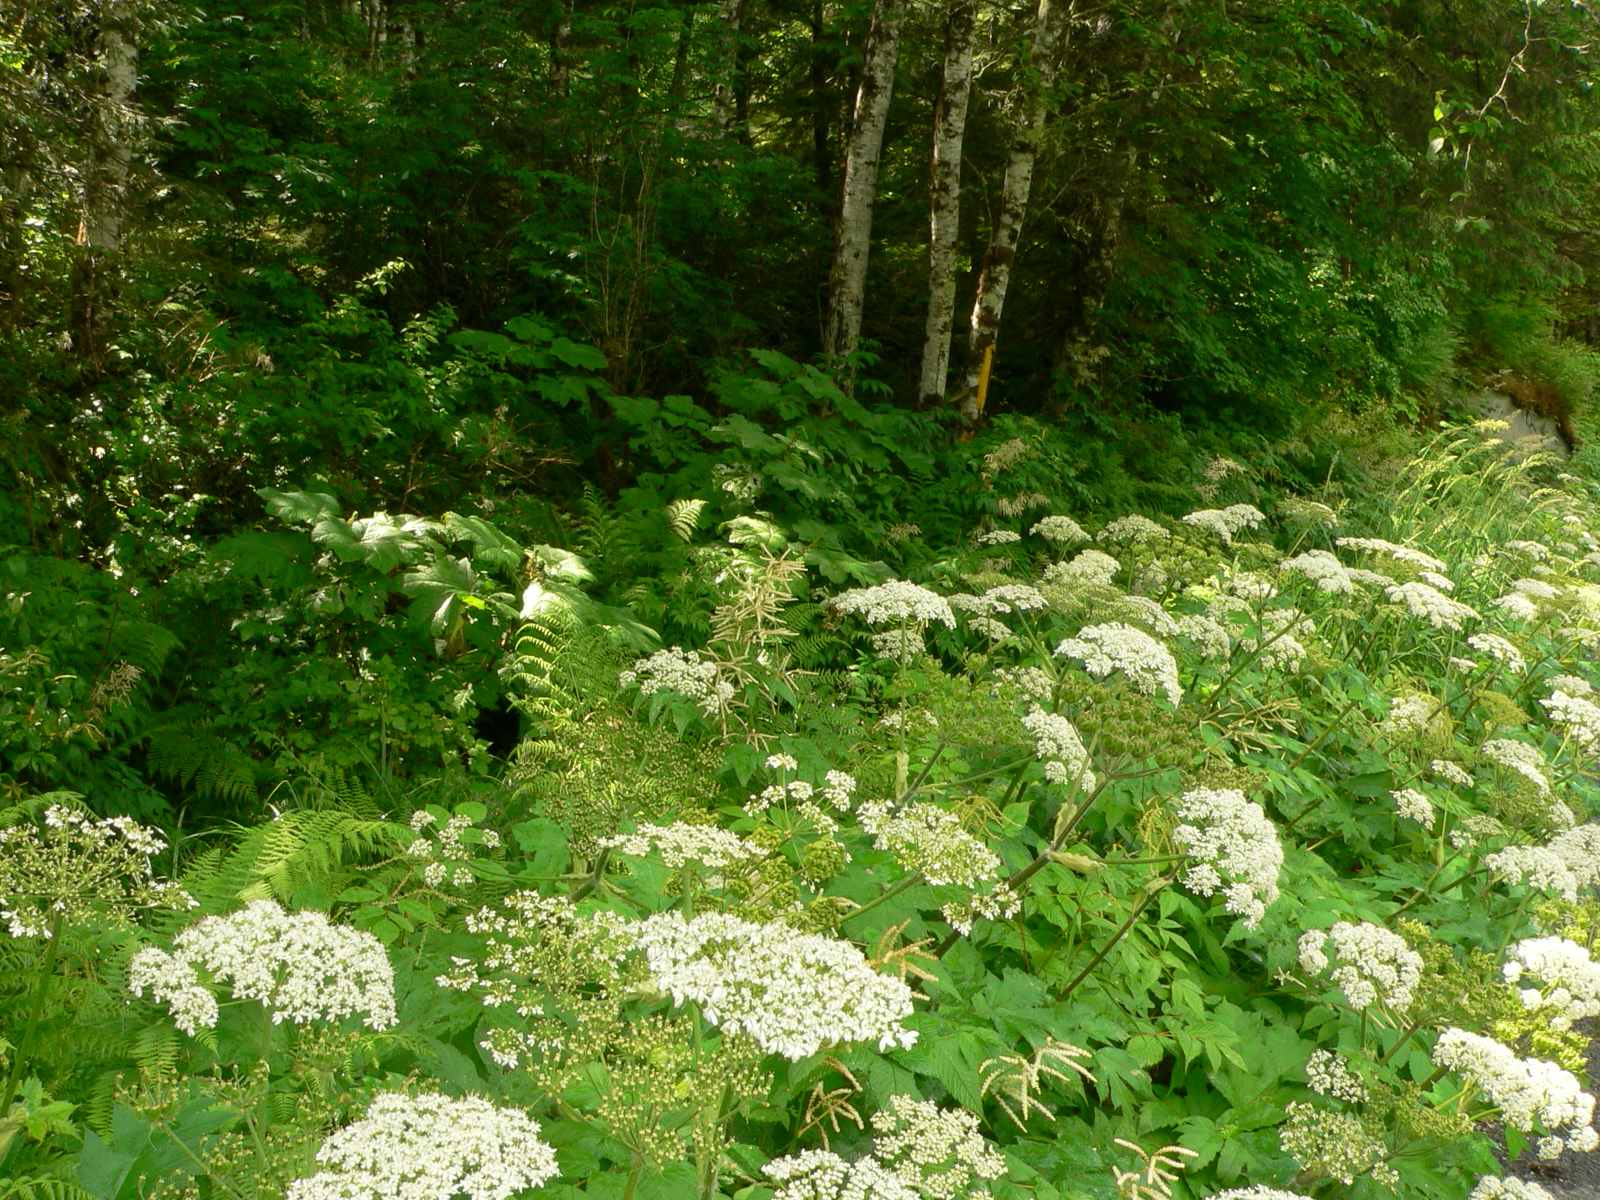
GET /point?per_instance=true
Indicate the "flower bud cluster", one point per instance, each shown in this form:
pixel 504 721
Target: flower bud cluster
pixel 1133 530
pixel 1233 847
pixel 1510 1188
pixel 1207 634
pixel 939 1151
pixel 1374 965
pixel 1148 664
pixel 300 966
pixel 448 847
pixel 1335 1145
pixel 428 1146
pixel 1529 1092
pixel 680 844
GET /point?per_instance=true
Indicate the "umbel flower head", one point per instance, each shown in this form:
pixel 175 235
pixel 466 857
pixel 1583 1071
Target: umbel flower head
pixel 895 603
pixel 1373 965
pixel 1569 979
pixel 430 1146
pixel 76 865
pixel 1232 847
pixel 1529 1092
pixel 791 993
pixel 684 672
pixel 301 966
pixel 1057 744
pixel 1148 664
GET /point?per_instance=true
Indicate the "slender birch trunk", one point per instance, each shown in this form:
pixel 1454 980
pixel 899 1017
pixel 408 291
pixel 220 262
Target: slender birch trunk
pixel 944 196
pixel 560 40
pixel 995 276
pixel 853 235
pixel 106 174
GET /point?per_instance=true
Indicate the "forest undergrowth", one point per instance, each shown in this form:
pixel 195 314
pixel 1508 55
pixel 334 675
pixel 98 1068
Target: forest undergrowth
pixel 1245 853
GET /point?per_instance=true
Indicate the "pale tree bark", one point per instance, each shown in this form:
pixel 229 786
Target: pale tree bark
pixel 106 174
pixel 853 233
pixel 944 196
pixel 560 41
pixel 984 331
pixel 725 97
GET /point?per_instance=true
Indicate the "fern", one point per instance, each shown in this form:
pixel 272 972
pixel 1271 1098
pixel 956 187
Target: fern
pixel 296 850
pixel 41 1188
pixel 683 517
pixel 195 758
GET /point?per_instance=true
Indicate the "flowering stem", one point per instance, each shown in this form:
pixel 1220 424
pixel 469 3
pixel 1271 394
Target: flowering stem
pixel 1405 1038
pixel 19 1055
pixel 1150 891
pixel 908 882
pixel 593 881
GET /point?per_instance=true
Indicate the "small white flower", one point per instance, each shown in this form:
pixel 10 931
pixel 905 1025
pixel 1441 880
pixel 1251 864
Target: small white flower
pixel 1234 848
pixel 1414 806
pixel 1148 664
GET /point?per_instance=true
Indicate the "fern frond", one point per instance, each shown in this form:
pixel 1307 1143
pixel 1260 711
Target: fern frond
pixel 41 1188
pixel 195 758
pixel 683 517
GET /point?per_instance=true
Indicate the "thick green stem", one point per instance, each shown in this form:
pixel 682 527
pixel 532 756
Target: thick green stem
pixel 1150 892
pixel 908 882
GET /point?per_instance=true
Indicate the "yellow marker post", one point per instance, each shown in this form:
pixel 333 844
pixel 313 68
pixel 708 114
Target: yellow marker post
pixel 983 377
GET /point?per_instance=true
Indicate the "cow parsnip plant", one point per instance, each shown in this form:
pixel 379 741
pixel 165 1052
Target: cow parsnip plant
pixel 1251 853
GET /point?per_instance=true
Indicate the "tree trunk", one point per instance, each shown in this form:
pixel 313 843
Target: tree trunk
pixel 560 40
pixel 944 196
pixel 995 276
pixel 821 101
pixel 105 186
pixel 730 14
pixel 853 234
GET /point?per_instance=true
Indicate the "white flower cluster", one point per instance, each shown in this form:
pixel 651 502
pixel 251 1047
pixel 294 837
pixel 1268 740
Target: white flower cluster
pixel 1539 867
pixel 1572 685
pixel 1502 651
pixel 1323 569
pixel 823 1175
pixel 1509 1188
pixel 1527 1091
pixel 1577 717
pixel 1411 715
pixel 680 844
pixel 1579 850
pixel 1259 1191
pixel 1452 773
pixel 1088 568
pixel 1060 530
pixel 1414 806
pixel 300 966
pixel 1033 682
pixel 1207 634
pixel 1328 1074
pixel 1007 598
pixel 1234 847
pixel 792 993
pixel 1374 965
pixel 1405 554
pixel 1518 757
pixel 684 672
pixel 1537 551
pixel 1225 522
pixel 931 841
pixel 1534 589
pixel 998 537
pixel 1429 604
pixel 1516 606
pixel 77 865
pixel 450 843
pixel 1308 512
pixel 897 602
pixel 1334 1144
pixel 1134 530
pixel 1570 978
pixel 901 645
pixel 1057 744
pixel 430 1146
pixel 938 1151
pixel 1148 664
